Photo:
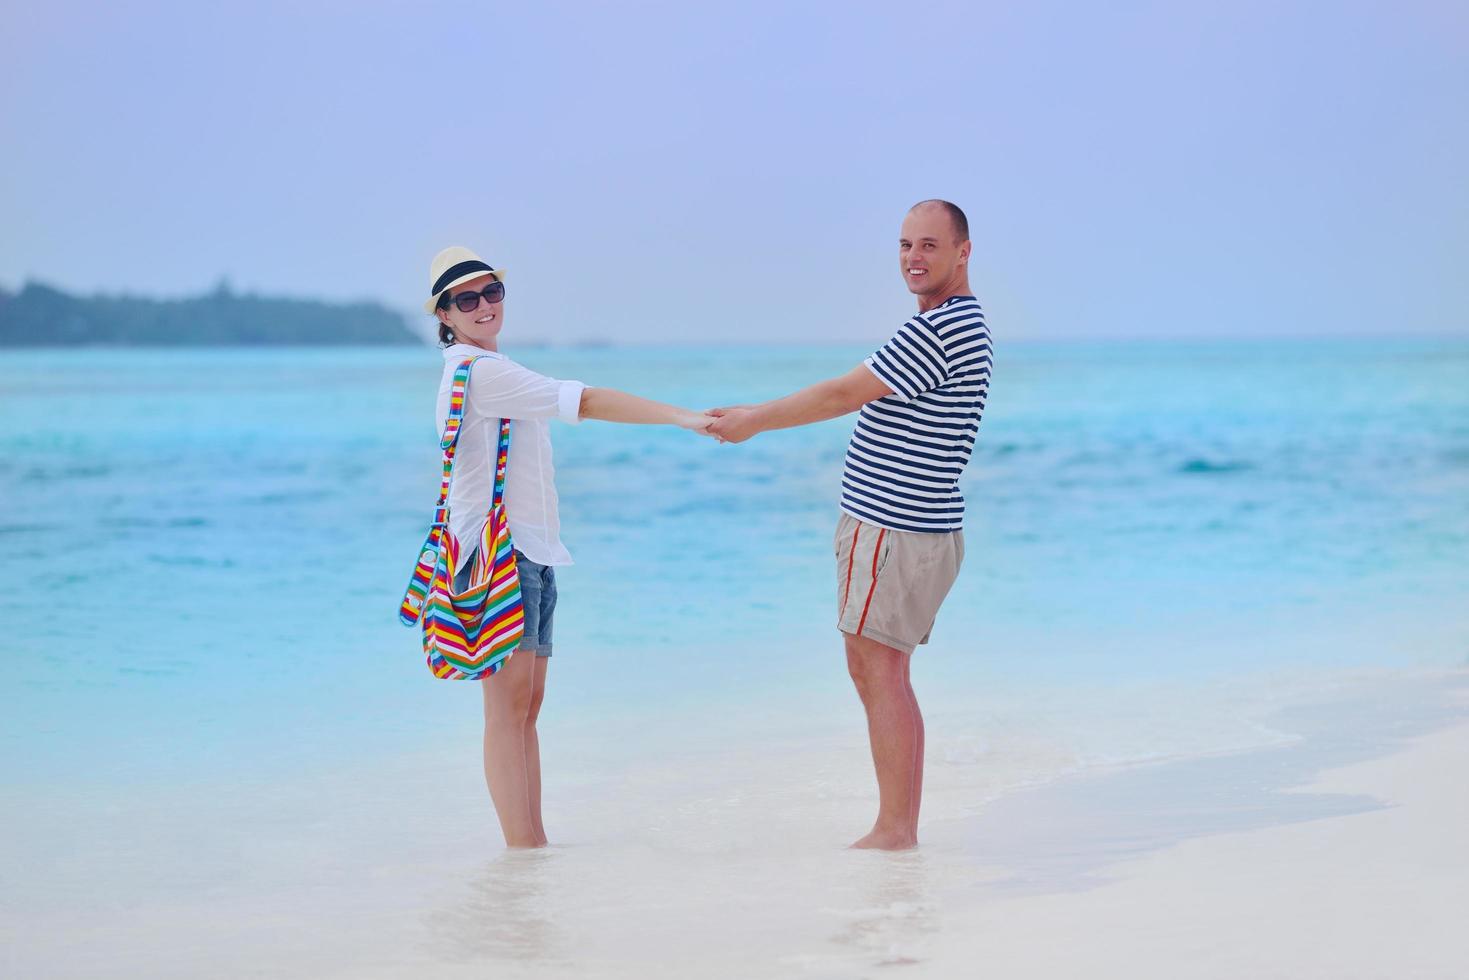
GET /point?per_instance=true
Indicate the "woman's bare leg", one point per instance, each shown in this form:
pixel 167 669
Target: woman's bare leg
pixel 507 706
pixel 533 749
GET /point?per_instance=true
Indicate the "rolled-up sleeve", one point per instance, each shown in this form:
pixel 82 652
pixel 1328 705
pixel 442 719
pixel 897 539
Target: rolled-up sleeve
pixel 502 389
pixel 570 401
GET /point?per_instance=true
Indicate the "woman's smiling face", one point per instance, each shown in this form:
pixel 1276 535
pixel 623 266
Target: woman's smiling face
pixel 481 325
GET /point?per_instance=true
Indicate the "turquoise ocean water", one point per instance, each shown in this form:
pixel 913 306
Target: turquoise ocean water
pixel 201 552
pixel 221 751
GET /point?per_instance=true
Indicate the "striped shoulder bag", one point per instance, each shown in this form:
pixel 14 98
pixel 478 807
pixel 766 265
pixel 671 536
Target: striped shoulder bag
pixel 467 635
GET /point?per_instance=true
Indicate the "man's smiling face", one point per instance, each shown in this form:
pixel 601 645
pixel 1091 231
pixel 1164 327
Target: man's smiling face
pixel 931 257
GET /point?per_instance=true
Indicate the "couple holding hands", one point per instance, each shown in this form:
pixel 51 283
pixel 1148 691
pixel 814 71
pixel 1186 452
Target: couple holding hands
pixel 898 541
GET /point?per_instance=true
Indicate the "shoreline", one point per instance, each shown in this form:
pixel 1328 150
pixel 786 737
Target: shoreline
pixel 1093 815
pixel 1339 857
pixel 336 876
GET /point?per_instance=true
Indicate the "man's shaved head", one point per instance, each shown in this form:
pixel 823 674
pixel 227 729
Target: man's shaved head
pixel 956 216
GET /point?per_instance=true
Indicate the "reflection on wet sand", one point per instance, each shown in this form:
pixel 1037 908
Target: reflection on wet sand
pixel 503 912
pixel 898 910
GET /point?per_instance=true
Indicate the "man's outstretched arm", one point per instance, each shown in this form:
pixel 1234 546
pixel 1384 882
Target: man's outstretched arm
pixel 821 401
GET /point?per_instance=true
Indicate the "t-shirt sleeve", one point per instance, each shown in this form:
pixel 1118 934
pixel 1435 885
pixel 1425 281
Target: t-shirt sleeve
pixel 913 361
pixel 502 389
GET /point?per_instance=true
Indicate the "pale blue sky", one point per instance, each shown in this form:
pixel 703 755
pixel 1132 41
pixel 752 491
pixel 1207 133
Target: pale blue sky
pixel 734 172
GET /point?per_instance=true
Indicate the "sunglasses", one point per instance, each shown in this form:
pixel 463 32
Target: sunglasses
pixel 469 301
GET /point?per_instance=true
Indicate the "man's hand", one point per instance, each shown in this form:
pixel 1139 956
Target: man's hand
pixel 734 424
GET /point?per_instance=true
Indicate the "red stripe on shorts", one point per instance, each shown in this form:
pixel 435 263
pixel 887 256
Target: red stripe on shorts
pixel 877 550
pixel 857 529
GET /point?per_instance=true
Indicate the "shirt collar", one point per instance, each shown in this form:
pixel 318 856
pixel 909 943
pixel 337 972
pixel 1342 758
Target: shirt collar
pixel 458 352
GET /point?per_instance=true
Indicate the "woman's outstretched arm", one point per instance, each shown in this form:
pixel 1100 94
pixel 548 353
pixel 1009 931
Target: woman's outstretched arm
pixel 611 405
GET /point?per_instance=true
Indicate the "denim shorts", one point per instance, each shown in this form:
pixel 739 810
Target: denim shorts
pixel 537 592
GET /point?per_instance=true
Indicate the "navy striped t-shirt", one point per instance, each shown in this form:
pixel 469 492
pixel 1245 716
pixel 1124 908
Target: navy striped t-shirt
pixel 908 449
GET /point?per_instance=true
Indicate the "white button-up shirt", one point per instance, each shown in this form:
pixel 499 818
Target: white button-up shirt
pixel 501 389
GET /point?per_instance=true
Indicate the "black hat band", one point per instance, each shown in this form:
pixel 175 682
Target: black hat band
pixel 456 271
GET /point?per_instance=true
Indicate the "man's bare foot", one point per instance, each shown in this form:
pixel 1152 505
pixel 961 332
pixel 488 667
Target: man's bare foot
pixel 887 840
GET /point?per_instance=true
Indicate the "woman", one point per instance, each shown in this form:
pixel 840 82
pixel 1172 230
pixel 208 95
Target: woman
pixel 467 296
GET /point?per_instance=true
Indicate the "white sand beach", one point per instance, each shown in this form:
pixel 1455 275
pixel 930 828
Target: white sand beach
pixel 1375 894
pixel 1332 849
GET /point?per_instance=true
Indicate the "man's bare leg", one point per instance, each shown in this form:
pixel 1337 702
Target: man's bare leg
pixel 895 729
pixel 918 764
pixel 507 706
pixel 533 749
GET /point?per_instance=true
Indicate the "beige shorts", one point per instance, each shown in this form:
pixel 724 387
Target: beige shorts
pixel 890 584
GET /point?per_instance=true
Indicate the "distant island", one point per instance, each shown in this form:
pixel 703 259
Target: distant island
pixel 41 316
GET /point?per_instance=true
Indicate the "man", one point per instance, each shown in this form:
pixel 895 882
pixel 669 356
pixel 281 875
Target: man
pixel 898 542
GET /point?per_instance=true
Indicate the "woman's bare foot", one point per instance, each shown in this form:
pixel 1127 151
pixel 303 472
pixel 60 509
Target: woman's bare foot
pixel 529 845
pixel 887 840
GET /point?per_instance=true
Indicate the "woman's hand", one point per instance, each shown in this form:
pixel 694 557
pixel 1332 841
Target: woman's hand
pixel 695 421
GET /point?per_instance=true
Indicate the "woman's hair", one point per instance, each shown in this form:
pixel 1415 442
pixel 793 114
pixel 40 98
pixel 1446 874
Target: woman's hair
pixel 446 332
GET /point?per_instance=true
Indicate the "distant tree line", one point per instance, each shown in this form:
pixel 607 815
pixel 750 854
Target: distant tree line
pixel 40 316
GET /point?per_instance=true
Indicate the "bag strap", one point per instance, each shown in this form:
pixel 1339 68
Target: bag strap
pixel 484 564
pixel 428 556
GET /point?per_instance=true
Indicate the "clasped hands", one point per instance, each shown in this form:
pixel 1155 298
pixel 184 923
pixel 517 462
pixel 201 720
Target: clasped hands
pixel 735 423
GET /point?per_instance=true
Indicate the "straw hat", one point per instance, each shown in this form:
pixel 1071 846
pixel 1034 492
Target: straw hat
pixel 452 266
